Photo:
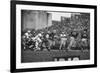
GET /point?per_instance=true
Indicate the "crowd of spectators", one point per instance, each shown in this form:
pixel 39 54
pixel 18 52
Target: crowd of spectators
pixel 67 34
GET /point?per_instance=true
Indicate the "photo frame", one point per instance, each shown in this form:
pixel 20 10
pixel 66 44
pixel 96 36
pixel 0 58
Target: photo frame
pixel 27 15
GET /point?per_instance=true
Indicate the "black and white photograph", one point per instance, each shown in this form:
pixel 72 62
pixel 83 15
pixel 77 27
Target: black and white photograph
pixel 50 36
pixel 54 36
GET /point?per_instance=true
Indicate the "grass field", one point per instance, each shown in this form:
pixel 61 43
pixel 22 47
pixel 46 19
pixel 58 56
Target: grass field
pixel 43 56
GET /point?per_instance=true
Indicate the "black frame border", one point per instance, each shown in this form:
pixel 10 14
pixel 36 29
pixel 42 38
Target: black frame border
pixel 13 35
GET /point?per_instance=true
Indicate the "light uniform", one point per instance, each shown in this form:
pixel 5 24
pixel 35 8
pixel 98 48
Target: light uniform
pixel 63 40
pixel 37 41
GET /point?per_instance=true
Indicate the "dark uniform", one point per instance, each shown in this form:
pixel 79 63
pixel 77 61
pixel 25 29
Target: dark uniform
pixel 45 42
pixel 84 40
pixel 51 40
pixel 73 37
pixel 51 36
pixel 74 34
